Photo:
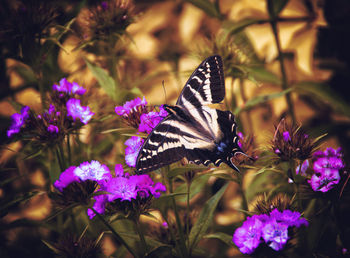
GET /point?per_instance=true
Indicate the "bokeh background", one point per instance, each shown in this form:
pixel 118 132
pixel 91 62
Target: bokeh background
pixel 149 48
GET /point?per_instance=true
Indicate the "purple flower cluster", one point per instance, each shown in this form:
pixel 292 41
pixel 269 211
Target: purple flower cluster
pixel 135 113
pixel 122 187
pixel 18 121
pixel 326 168
pixel 130 106
pixel 67 87
pixel 53 124
pixel 94 171
pixel 272 229
pixel 151 120
pixel 77 111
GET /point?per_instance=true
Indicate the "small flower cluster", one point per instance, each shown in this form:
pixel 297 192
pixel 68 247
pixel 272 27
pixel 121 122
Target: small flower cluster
pixel 326 169
pixel 136 114
pixel 291 143
pixel 271 228
pixel 122 187
pixel 124 190
pixel 58 120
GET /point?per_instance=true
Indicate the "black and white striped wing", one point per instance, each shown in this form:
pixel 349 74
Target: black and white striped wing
pixel 206 85
pixel 172 140
pixel 162 147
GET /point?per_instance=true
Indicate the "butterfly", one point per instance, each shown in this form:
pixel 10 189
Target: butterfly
pixel 191 129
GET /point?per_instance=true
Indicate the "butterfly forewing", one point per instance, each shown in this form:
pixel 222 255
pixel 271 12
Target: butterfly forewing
pixel 201 134
pixel 206 85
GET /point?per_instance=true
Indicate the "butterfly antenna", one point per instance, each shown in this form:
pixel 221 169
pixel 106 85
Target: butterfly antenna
pixel 163 84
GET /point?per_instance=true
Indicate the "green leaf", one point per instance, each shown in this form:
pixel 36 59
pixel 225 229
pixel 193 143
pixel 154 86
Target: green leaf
pixel 325 93
pixel 260 99
pixel 226 238
pixel 260 74
pixel 205 218
pixel 236 27
pixel 181 170
pixel 197 186
pixel 208 7
pixel 274 7
pixel 105 81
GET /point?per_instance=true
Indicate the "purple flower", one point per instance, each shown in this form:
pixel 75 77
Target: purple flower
pixel 241 137
pixel 276 234
pixel 132 151
pixel 324 181
pixel 52 129
pixel 326 166
pixel 93 171
pixel 130 106
pixel 125 188
pixel 67 177
pixel 69 87
pixel 75 110
pixel 18 120
pixel 145 186
pixel 248 237
pixel 302 169
pixel 273 228
pixel 288 217
pixel 151 120
pixel 99 205
pixel 286 136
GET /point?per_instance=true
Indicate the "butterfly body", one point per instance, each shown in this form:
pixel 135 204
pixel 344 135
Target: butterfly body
pixel 201 134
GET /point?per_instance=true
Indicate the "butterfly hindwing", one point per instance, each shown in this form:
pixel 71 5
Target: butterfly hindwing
pixel 206 85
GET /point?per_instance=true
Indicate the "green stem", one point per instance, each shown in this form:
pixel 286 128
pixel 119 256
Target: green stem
pixel 183 248
pixel 63 159
pixel 59 160
pixel 69 151
pixel 141 235
pixel 188 213
pixel 172 234
pixel 283 70
pixel 117 236
pixel 244 199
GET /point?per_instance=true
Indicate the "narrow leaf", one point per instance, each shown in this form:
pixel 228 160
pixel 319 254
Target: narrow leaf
pixel 274 7
pixel 235 27
pixel 207 6
pixel 261 99
pixel 205 218
pixel 226 238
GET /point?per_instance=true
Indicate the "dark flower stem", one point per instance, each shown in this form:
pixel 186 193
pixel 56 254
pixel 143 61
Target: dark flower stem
pixel 244 199
pixel 188 213
pixel 283 70
pixel 182 243
pixel 69 151
pixel 60 162
pixel 117 236
pixel 141 235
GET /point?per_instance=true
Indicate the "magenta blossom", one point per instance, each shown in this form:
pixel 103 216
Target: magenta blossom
pixel 18 121
pixel 93 170
pixel 69 87
pixel 272 228
pixel 67 177
pixel 134 145
pixel 151 120
pixel 130 106
pixel 326 167
pixel 75 110
pixel 125 188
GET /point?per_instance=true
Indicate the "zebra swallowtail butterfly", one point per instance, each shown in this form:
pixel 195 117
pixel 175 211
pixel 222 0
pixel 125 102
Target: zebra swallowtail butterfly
pixel 201 134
